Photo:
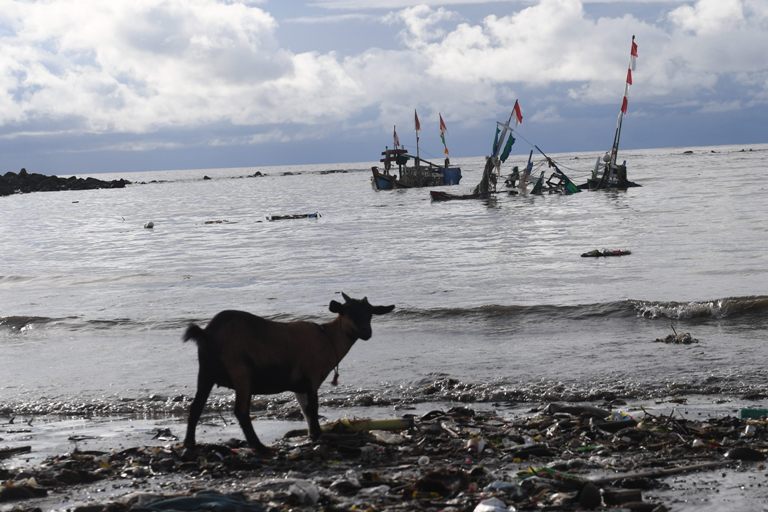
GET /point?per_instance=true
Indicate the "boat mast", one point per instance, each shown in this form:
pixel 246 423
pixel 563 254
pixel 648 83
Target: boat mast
pixel 417 125
pixel 616 138
pixel 623 109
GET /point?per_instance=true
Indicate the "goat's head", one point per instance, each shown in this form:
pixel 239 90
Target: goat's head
pixel 358 313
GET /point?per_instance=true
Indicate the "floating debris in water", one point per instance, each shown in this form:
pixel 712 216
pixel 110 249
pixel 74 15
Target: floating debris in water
pixel 314 215
pixel 684 338
pixel 597 253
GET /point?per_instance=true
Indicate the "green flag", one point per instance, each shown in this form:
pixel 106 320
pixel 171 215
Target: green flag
pixel 507 148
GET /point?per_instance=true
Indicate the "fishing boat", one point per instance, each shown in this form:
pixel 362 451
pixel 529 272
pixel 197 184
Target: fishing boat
pixel 483 190
pixel 396 172
pixel 608 174
pixel 502 145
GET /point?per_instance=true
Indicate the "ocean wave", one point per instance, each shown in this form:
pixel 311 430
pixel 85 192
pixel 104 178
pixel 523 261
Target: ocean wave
pixel 730 307
pixel 716 309
pixel 21 323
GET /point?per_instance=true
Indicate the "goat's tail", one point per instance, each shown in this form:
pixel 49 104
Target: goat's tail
pixel 196 333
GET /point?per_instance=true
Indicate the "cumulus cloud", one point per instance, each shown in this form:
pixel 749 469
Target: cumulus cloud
pixel 140 65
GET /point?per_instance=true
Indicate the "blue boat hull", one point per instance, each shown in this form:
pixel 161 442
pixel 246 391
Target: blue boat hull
pixel 439 176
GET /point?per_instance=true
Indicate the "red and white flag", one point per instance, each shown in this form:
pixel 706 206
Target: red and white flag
pixel 416 120
pixel 630 68
pixel 518 114
pixel 633 54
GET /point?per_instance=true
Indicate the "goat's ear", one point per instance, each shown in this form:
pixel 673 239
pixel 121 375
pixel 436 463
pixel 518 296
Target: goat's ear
pixel 336 307
pixel 382 310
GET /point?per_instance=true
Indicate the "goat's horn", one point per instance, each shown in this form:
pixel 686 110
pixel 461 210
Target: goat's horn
pixel 346 297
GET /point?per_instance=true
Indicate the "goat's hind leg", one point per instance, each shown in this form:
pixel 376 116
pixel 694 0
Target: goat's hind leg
pixel 204 387
pixel 243 415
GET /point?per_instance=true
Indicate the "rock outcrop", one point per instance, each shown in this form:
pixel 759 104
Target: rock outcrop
pixel 25 182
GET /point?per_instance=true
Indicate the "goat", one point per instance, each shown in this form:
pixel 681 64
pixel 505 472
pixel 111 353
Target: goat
pixel 253 355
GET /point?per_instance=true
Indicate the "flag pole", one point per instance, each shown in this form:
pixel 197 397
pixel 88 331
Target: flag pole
pixel 417 127
pixel 617 135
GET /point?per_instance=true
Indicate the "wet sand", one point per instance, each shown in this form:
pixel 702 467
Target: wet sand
pixel 453 457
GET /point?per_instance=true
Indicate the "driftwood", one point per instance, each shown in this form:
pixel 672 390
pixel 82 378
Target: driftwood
pixel 10 452
pixel 660 473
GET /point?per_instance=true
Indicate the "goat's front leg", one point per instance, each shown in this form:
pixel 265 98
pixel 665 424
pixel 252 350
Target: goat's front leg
pixel 309 406
pixel 204 386
pixel 242 413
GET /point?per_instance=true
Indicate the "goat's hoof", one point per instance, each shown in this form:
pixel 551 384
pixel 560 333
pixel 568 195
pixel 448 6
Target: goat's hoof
pixel 264 451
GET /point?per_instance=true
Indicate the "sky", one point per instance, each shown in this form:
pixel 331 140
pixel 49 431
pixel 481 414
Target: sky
pixel 130 85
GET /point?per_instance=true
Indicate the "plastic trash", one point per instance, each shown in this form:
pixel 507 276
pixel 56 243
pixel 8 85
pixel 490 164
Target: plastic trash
pixel 753 412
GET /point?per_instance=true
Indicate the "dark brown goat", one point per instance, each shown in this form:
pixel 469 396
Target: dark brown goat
pixel 253 355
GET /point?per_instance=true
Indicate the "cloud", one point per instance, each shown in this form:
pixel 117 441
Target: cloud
pixel 143 66
pixel 394 4
pixel 549 114
pixel 708 16
pixel 133 66
pixel 331 19
pixel 422 24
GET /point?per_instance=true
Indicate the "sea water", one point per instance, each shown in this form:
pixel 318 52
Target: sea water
pixel 493 300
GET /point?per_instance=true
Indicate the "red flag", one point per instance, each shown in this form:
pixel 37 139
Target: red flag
pixel 629 76
pixel 518 113
pixel 624 105
pixel 443 128
pixel 416 120
pixel 633 54
pixel 633 51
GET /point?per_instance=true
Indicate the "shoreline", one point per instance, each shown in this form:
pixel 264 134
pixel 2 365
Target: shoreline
pixel 145 456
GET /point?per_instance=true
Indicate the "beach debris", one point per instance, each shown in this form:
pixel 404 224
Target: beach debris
pixel 314 215
pixel 557 456
pixel 753 412
pixel 149 225
pixel 13 490
pixel 203 500
pixel 10 452
pixel 597 253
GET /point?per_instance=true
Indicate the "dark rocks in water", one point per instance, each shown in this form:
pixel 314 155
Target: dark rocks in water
pixel 689 152
pixel 25 182
pixel 206 177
